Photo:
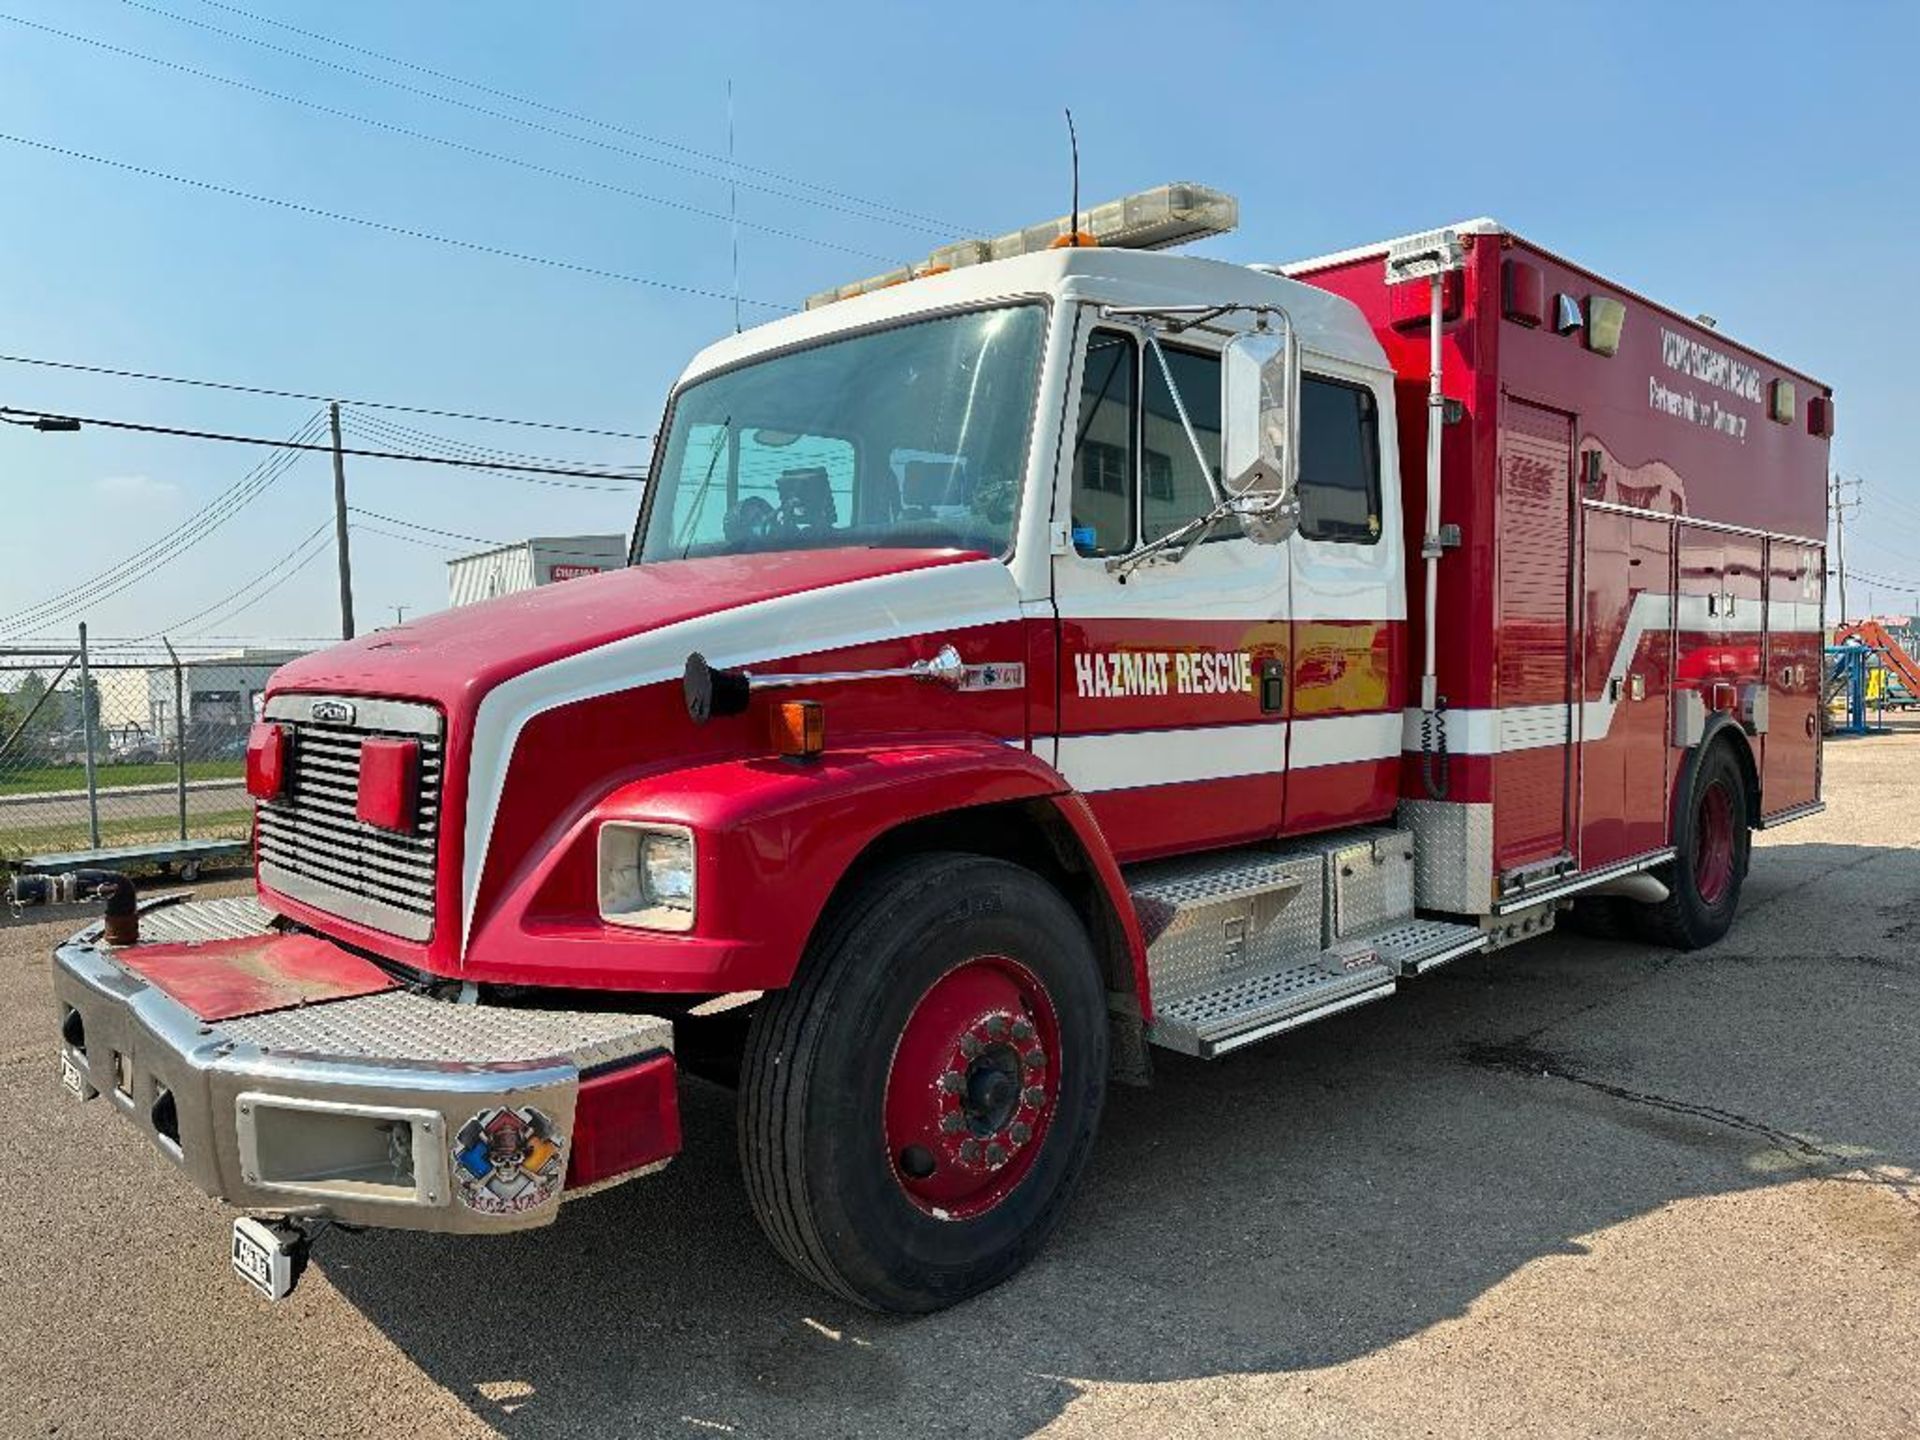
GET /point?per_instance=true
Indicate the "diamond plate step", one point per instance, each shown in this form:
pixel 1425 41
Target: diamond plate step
pixel 1415 946
pixel 1236 1014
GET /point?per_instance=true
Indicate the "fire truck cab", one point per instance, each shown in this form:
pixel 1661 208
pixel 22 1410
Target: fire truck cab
pixel 1048 655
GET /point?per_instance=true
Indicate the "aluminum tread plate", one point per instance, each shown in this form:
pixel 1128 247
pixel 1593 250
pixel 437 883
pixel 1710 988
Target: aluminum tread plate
pixel 1200 1024
pixel 197 921
pixel 400 1025
pixel 1416 945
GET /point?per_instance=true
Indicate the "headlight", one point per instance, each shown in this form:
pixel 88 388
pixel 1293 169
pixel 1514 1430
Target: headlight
pixel 646 876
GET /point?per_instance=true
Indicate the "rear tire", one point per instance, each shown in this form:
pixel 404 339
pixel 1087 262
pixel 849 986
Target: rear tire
pixel 917 1107
pixel 1703 879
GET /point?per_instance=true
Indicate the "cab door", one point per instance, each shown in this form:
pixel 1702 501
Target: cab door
pixel 1174 695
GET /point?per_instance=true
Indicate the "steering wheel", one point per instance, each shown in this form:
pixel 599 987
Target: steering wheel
pixel 751 521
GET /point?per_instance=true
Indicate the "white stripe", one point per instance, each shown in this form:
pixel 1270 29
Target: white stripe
pixel 935 600
pixel 1795 617
pixel 1343 740
pixel 1133 758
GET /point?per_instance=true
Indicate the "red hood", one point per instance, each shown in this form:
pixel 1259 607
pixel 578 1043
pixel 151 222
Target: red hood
pixel 457 656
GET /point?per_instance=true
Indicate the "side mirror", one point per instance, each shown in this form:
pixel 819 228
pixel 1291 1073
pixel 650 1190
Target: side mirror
pixel 1260 426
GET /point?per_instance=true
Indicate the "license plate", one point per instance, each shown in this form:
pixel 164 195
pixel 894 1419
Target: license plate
pixel 261 1259
pixel 71 1077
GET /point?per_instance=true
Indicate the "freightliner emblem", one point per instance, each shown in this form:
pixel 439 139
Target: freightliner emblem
pixel 331 712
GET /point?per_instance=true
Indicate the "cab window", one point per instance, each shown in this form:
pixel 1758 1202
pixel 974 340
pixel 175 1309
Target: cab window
pixel 1339 462
pixel 1135 477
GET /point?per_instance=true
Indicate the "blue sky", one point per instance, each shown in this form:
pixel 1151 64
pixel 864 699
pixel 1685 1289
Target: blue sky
pixel 1751 161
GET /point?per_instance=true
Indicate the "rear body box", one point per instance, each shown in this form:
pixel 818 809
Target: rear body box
pixel 1641 547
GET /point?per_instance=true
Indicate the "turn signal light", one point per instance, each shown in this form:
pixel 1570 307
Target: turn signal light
pixel 799 729
pixel 389 776
pixel 266 760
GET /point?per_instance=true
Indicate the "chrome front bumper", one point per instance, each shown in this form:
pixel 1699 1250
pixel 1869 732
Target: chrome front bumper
pixel 392 1109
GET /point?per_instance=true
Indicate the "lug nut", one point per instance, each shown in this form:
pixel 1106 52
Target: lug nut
pixel 1023 1030
pixel 1034 1096
pixel 953 1082
pixel 1036 1058
pixel 996 1154
pixel 996 1025
pixel 1019 1132
pixel 970 1151
pixel 953 1121
pixel 969 1046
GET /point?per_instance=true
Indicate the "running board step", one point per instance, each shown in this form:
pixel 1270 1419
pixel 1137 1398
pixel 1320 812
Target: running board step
pixel 1413 947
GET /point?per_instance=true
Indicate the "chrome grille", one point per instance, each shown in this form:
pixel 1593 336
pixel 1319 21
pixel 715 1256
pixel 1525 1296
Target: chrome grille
pixel 313 846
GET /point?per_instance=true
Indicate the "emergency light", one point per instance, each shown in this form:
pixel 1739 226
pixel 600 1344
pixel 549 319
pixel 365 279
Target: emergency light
pixel 1150 220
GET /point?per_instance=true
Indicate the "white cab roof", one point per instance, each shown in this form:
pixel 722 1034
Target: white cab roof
pixel 1326 323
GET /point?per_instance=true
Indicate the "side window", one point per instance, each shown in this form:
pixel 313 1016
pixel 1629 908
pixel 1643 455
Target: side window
pixel 1339 462
pixel 1103 447
pixel 1174 489
pixel 1134 472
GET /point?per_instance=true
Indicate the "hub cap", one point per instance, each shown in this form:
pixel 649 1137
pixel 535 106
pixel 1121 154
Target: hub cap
pixel 972 1087
pixel 1713 844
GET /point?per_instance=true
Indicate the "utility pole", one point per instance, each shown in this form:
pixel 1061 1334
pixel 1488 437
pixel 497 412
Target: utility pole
pixel 400 614
pixel 1840 507
pixel 340 524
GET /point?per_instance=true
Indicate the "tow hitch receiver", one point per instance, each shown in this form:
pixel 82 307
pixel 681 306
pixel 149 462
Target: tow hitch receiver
pixel 270 1255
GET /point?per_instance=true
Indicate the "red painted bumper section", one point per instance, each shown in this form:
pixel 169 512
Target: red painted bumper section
pixel 255 974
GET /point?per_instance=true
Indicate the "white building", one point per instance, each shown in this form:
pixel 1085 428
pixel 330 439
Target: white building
pixel 542 560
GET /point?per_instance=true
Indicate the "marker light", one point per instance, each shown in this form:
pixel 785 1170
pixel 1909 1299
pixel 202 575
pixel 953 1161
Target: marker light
pixel 1151 220
pixel 799 729
pixel 266 760
pixel 646 876
pixel 1606 318
pixel 1780 402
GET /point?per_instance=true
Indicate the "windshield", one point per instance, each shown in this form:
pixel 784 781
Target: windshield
pixel 908 437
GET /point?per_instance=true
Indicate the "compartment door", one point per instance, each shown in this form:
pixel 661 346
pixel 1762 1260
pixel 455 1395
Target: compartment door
pixel 1532 773
pixel 1627 657
pixel 1791 775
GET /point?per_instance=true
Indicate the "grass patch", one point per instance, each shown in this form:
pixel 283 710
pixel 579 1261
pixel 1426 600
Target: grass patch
pixel 51 839
pixel 74 777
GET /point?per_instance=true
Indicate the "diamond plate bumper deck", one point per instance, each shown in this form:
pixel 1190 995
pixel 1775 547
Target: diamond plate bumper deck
pixel 475 1103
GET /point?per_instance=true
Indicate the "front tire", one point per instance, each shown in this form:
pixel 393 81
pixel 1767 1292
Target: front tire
pixel 916 1108
pixel 1703 880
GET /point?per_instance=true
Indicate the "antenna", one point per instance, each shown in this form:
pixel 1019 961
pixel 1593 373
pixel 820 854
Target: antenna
pixel 733 207
pixel 1073 215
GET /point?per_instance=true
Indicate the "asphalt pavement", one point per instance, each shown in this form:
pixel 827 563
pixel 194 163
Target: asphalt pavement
pixel 1572 1189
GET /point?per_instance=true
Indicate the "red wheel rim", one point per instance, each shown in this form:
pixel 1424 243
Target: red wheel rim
pixel 1713 844
pixel 972 1087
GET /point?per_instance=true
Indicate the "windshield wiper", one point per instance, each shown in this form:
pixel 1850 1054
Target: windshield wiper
pixel 706 484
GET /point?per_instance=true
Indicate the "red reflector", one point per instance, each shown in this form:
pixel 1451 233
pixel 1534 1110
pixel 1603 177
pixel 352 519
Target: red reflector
pixel 389 772
pixel 1820 416
pixel 624 1119
pixel 266 760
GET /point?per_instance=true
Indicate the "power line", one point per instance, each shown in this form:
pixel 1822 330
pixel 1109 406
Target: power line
pixel 385 227
pixel 440 140
pixel 185 434
pixel 407 436
pixel 179 625
pixel 867 210
pixel 170 546
pixel 412 525
pixel 320 399
pixel 573 115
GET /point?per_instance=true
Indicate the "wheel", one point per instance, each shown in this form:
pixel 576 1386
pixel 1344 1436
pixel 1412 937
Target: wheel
pixel 1703 879
pixel 916 1108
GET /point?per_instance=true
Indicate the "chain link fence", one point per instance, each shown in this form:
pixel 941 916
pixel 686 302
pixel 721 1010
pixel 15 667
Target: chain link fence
pixel 109 747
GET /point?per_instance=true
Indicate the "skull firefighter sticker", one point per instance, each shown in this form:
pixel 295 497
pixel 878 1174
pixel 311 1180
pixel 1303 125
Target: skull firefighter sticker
pixel 508 1160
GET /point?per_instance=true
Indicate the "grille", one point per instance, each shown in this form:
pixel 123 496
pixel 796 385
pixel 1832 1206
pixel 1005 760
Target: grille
pixel 314 848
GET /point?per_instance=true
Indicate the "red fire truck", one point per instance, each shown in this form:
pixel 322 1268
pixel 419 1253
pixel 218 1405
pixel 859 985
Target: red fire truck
pixel 1050 654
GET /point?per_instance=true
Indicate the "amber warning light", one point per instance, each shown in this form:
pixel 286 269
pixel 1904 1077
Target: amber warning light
pixel 1150 220
pixel 799 729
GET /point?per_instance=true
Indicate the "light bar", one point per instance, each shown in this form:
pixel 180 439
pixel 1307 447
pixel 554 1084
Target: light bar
pixel 1151 220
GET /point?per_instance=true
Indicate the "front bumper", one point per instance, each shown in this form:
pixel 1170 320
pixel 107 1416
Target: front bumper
pixel 390 1109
